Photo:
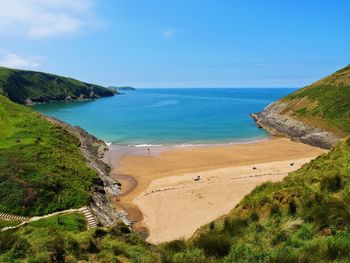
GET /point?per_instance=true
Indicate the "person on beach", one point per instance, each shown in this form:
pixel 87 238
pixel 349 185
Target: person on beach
pixel 197 178
pixel 148 150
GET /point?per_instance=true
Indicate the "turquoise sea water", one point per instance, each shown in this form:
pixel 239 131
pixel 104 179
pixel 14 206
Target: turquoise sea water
pixel 170 116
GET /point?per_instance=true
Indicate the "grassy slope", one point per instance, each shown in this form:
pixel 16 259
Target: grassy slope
pixel 64 238
pixel 305 218
pixel 325 103
pixel 44 171
pixel 19 85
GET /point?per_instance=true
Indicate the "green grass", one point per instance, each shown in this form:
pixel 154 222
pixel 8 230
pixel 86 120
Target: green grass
pixel 19 85
pixel 304 218
pixel 325 103
pixel 5 223
pixel 64 238
pixel 44 171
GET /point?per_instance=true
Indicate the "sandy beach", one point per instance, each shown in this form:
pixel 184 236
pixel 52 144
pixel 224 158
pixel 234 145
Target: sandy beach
pixel 160 194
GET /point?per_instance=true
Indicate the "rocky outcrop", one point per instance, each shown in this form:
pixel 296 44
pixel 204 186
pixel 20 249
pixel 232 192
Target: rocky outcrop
pixel 106 189
pixel 277 122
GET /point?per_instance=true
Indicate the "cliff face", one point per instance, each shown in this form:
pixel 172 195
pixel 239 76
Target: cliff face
pixel 106 189
pixel 28 87
pixel 276 122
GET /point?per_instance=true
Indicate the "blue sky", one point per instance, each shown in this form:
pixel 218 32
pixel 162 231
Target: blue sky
pixel 182 43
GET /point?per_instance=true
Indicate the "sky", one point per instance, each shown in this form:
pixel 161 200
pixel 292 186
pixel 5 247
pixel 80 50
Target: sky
pixel 178 43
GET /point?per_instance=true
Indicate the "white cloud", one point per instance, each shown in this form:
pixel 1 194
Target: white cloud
pixel 168 32
pixel 46 18
pixel 13 60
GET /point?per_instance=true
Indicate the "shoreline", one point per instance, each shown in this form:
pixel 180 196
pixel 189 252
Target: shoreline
pixel 117 151
pixel 167 167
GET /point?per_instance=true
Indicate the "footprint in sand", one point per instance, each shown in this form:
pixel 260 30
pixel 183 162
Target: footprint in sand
pixel 199 196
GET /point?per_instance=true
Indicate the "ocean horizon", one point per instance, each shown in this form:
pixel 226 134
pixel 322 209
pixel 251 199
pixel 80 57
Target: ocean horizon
pixel 168 116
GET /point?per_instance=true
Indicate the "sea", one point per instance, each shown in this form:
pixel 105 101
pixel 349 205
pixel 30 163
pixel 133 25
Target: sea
pixel 173 116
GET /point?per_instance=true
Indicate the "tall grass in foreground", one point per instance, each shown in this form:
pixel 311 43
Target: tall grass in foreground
pixel 305 218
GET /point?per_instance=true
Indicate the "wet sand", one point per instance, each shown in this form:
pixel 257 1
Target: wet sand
pixel 173 205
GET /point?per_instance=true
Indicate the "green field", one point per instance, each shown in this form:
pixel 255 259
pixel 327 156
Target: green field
pixel 42 169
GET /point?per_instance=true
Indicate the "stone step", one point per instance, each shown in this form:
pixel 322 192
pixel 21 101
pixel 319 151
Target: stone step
pixel 13 217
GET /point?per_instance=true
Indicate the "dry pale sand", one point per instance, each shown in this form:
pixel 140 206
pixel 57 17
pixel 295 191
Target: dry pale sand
pixel 175 206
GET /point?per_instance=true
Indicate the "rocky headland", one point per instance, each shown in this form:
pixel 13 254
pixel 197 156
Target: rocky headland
pixel 274 119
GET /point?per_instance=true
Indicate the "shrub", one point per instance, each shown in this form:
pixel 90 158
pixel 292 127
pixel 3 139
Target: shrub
pixel 338 247
pixel 213 244
pixel 234 226
pixel 254 216
pixel 331 183
pixel 292 207
pixel 275 210
pixel 175 245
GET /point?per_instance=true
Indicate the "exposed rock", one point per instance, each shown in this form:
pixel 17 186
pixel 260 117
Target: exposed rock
pixel 276 122
pixel 106 189
pixel 29 102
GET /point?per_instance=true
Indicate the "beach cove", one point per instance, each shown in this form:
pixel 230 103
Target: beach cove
pixel 160 194
pixel 191 133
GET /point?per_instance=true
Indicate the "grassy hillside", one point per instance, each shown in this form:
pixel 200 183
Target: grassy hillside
pixel 325 103
pixel 64 238
pixel 23 85
pixel 41 167
pixel 305 218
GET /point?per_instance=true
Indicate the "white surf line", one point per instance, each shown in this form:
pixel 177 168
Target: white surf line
pixel 91 221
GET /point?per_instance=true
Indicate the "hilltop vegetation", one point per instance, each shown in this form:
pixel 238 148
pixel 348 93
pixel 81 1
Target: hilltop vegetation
pixel 304 218
pixel 41 167
pixel 325 103
pixel 23 86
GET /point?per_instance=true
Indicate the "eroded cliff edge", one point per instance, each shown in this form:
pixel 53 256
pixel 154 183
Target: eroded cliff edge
pixel 106 189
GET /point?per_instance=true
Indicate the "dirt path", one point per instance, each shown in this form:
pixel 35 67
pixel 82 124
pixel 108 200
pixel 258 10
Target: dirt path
pixel 91 221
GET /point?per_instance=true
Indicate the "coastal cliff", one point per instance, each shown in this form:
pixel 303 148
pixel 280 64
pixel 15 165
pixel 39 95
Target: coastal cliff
pixel 30 87
pixel 278 123
pixel 105 188
pixel 318 114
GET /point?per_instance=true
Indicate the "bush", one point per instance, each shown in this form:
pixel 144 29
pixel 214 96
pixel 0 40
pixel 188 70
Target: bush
pixel 339 247
pixel 234 226
pixel 254 216
pixel 275 210
pixel 331 183
pixel 214 244
pixel 175 246
pixel 292 207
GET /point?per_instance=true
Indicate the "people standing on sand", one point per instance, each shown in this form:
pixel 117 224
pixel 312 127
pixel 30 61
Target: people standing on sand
pixel 148 150
pixel 197 178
